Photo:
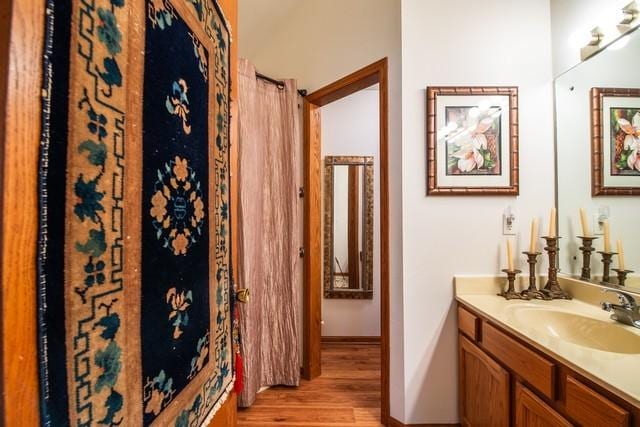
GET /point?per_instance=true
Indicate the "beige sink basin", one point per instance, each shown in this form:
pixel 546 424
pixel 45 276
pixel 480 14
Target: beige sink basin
pixel 581 330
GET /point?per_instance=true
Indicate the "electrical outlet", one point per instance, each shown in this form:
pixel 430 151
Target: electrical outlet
pixel 598 227
pixel 509 224
pixel 602 215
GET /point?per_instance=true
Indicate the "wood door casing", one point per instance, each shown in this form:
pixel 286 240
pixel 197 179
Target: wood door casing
pixel 361 79
pixel 21 46
pixel 480 378
pixel 228 414
pixel 311 302
pixel 531 411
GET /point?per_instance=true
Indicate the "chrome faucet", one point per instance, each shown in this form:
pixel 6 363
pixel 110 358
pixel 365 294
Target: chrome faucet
pixel 627 312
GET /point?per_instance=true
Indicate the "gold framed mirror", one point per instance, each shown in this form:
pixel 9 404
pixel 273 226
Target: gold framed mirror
pixel 348 227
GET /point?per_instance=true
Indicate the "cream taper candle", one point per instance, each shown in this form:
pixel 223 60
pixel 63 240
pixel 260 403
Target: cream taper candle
pixel 509 256
pixel 585 224
pixel 620 256
pixel 607 237
pixel 534 235
pixel 552 223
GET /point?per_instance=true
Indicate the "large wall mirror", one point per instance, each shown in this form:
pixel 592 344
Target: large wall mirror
pixel 348 227
pixel 598 161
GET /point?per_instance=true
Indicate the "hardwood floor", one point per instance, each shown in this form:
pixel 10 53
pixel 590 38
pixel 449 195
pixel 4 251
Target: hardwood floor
pixel 347 394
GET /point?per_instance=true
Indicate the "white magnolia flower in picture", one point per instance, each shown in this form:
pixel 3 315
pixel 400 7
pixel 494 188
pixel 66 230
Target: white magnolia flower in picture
pixel 470 153
pixel 632 140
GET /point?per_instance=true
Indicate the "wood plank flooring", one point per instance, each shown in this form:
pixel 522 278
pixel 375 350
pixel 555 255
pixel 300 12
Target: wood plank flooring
pixel 347 394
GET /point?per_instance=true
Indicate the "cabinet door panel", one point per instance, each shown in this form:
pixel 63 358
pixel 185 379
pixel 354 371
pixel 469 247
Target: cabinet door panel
pixel 484 388
pixel 531 411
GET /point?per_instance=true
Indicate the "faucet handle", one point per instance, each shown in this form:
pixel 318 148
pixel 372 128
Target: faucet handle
pixel 606 306
pixel 625 298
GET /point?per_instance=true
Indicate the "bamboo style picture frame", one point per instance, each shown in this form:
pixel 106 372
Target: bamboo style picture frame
pixel 612 117
pixel 472 141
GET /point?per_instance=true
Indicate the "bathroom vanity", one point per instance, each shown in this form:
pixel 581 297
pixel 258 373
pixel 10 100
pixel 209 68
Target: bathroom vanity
pixel 544 363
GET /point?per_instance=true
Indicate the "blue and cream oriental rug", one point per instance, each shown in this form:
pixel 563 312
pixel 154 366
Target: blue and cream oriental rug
pixel 135 286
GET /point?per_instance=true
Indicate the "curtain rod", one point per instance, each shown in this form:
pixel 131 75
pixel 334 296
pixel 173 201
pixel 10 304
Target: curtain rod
pixel 279 83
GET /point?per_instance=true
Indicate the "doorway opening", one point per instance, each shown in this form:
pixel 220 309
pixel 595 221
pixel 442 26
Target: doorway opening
pixel 314 271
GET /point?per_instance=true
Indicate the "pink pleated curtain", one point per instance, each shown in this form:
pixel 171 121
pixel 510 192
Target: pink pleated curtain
pixel 269 222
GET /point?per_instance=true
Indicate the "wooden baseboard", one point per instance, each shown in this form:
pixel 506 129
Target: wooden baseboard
pixel 395 423
pixel 350 340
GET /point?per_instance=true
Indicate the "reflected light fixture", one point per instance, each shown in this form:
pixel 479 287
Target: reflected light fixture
pixel 629 13
pixel 594 44
pixel 616 24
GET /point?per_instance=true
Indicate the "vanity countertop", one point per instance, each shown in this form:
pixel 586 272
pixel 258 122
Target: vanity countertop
pixel 619 372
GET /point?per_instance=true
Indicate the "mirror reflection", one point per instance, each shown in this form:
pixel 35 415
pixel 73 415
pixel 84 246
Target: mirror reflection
pixel 598 164
pixel 348 227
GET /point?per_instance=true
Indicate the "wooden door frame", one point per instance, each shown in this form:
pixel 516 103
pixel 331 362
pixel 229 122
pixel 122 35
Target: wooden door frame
pixel 376 73
pixel 21 47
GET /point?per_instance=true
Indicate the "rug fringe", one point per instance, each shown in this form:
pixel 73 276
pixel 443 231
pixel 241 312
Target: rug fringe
pixel 217 406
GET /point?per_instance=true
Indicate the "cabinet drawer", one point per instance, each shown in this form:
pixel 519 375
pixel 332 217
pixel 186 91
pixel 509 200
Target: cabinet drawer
pixel 533 368
pixel 468 323
pixel 590 408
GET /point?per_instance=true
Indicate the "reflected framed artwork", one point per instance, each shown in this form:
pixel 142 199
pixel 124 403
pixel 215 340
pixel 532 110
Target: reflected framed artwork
pixel 615 141
pixel 472 141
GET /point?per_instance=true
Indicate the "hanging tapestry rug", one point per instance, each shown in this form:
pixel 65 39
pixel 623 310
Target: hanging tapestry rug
pixel 134 265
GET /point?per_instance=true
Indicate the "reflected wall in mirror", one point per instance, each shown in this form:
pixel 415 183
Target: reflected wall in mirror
pixel 348 227
pixel 598 159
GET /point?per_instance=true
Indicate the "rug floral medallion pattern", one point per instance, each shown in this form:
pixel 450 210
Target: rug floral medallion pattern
pixel 135 307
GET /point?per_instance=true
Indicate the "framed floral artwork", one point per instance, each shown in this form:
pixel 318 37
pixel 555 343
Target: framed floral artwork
pixel 615 141
pixel 472 141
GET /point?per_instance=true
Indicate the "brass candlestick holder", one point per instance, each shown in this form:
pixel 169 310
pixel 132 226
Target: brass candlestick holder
pixel 532 291
pixel 587 249
pixel 511 293
pixel 606 266
pixel 552 289
pixel 622 275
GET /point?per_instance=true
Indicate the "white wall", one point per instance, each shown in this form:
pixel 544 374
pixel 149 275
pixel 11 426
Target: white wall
pixel 489 42
pixel 350 128
pixel 319 42
pixel 569 16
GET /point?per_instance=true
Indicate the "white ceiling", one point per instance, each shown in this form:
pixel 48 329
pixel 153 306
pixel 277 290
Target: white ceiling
pixel 258 19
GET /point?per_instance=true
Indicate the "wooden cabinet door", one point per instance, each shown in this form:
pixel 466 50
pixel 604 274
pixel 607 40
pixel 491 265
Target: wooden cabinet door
pixel 484 388
pixel 531 411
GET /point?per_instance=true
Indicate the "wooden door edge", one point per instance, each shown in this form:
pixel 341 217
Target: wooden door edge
pixel 375 73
